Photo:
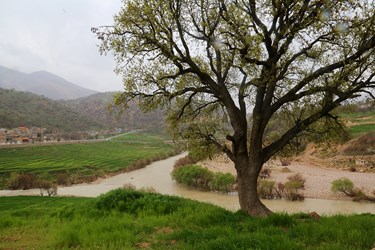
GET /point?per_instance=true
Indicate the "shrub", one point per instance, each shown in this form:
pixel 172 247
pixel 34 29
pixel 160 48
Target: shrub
pixel 223 182
pixel 347 187
pixel 297 178
pixel 194 176
pixel 138 164
pixel 130 186
pixel 136 202
pixel 46 188
pixel 279 190
pixel 343 185
pixel 291 191
pixel 22 181
pixel 62 179
pixel 266 189
pixel 187 160
pixel 285 162
pixel 265 173
pixel 352 169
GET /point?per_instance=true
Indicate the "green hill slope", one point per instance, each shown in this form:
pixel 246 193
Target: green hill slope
pixel 96 107
pixel 26 109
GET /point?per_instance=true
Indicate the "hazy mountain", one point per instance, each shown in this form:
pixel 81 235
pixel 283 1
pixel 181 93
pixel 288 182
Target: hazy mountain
pixel 27 109
pixel 42 83
pixel 97 107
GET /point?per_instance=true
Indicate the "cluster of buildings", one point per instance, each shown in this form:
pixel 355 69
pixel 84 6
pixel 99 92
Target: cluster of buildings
pixel 35 134
pixel 22 135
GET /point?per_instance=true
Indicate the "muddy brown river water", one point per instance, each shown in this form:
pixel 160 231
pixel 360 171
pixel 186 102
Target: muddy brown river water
pixel 157 175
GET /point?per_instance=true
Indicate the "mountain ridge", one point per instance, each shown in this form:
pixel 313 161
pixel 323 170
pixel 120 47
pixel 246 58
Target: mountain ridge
pixel 86 113
pixel 19 108
pixel 42 83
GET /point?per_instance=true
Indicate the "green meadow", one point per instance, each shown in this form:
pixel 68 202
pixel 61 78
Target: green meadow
pixel 364 122
pixel 361 129
pixel 95 158
pixel 128 219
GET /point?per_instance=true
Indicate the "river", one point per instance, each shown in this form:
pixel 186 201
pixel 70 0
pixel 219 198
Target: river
pixel 157 175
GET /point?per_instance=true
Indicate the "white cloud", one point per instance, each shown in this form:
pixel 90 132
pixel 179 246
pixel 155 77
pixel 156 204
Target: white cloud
pixel 55 36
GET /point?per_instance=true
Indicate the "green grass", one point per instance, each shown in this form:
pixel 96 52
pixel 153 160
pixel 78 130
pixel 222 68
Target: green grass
pixel 364 122
pixel 82 158
pixel 132 220
pixel 358 130
pixel 359 116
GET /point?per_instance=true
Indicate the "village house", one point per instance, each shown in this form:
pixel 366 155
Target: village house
pixel 3 137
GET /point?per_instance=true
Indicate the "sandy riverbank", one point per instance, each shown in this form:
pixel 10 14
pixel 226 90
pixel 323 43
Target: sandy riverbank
pixel 318 178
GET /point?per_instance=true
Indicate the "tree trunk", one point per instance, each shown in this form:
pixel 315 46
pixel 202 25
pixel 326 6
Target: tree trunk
pixel 250 203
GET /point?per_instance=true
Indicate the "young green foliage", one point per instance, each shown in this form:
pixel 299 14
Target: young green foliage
pixel 210 63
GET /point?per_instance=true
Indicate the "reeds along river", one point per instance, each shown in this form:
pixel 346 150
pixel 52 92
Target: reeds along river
pixel 157 175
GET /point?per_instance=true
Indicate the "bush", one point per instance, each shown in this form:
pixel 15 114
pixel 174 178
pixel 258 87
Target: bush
pixel 187 160
pixel 291 190
pixel 279 190
pixel 46 188
pixel 297 178
pixel 22 181
pixel 285 162
pixel 266 189
pixel 63 179
pixel 136 202
pixel 138 164
pixel 347 187
pixel 265 173
pixel 223 182
pixel 194 176
pixel 343 185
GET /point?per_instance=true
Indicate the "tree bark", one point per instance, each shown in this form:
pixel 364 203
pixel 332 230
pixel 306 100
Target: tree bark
pixel 247 191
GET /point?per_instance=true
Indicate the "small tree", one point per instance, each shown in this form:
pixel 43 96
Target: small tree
pixel 47 188
pixel 210 63
pixel 343 185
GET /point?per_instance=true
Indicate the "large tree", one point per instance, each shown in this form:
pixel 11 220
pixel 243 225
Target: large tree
pixel 211 63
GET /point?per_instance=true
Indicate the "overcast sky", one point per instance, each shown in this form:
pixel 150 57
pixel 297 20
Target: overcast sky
pixel 55 36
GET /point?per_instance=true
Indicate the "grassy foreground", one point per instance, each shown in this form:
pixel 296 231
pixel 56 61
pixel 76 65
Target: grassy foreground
pixel 82 159
pixel 127 219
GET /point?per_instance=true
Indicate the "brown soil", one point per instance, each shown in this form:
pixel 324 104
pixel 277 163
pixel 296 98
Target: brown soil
pixel 315 170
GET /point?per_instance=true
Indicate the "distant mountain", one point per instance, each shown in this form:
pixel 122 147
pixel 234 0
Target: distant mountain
pixel 42 83
pixel 97 107
pixel 27 109
pixel 86 113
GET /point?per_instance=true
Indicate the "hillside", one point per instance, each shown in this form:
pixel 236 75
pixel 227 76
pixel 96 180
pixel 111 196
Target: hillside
pixel 97 107
pixel 27 109
pixel 42 83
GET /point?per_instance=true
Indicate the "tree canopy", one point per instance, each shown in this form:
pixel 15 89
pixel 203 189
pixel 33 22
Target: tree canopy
pixel 214 63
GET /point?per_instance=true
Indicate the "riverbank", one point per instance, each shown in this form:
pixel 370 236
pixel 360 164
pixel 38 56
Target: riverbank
pixel 318 178
pixel 125 219
pixel 157 176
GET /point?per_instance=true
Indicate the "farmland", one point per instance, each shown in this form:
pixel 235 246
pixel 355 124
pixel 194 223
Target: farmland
pixel 359 123
pixel 85 159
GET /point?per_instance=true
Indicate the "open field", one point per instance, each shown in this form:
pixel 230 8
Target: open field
pixel 85 159
pixel 357 130
pixel 359 123
pixel 134 220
